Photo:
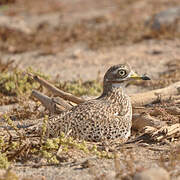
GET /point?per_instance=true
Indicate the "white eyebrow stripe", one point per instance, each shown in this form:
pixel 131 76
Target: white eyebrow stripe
pixel 115 72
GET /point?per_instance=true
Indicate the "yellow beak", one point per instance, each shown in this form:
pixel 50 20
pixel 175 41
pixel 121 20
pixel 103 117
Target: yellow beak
pixel 136 77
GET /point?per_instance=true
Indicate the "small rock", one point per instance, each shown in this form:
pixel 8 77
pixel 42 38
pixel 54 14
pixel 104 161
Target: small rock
pixel 165 18
pixel 76 54
pixel 152 174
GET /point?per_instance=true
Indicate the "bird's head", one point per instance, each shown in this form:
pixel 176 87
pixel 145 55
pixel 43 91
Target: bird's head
pixel 119 75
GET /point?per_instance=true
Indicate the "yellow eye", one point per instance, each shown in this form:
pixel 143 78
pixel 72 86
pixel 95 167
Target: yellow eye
pixel 122 72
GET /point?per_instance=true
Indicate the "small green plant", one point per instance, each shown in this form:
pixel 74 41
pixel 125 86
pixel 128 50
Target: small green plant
pixel 80 88
pixel 4 164
pixel 18 82
pixel 63 144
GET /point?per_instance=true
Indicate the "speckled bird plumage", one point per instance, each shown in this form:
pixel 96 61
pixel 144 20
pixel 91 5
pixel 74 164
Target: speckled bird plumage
pixel 109 117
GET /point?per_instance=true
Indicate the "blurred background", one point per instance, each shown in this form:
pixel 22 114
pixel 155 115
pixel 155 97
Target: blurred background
pixel 72 39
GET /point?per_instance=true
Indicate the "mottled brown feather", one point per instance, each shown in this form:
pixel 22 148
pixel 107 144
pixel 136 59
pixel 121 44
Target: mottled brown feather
pixel 108 117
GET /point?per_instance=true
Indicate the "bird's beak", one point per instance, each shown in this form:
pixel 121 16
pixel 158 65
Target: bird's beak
pixel 135 76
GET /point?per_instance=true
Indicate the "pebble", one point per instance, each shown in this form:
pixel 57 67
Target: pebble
pixel 165 18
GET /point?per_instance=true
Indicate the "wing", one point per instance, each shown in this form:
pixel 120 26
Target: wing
pixel 93 117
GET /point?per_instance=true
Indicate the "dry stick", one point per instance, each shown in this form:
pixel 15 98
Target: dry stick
pixel 58 92
pixel 18 152
pixel 49 103
pixel 166 93
pixel 164 132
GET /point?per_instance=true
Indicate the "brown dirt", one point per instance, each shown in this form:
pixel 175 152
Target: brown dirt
pixel 81 39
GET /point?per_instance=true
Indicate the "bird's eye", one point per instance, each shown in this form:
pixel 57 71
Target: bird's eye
pixel 122 72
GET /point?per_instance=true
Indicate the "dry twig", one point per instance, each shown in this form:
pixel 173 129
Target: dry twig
pixel 164 132
pixel 166 93
pixel 51 104
pixel 56 91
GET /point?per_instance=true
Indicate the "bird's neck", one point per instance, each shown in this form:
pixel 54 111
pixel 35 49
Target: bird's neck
pixel 113 90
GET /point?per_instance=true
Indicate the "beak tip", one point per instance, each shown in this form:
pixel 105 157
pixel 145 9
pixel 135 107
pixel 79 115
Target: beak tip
pixel 145 77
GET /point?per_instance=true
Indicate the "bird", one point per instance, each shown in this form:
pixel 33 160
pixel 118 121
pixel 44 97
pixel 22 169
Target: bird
pixel 106 118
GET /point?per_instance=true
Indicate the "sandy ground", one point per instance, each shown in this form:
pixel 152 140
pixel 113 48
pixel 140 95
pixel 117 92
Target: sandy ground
pixel 77 60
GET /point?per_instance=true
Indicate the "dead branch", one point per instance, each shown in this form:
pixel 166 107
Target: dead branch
pixel 165 132
pixel 56 91
pixel 166 93
pixel 50 104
